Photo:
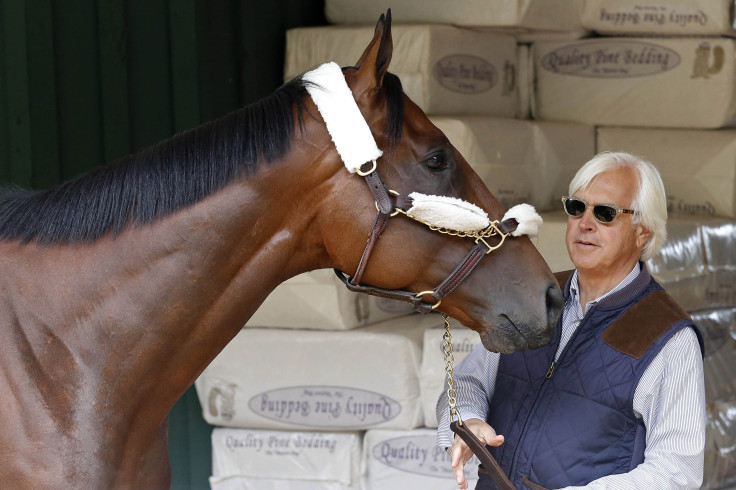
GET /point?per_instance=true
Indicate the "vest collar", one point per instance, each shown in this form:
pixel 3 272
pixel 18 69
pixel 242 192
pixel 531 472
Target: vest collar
pixel 622 297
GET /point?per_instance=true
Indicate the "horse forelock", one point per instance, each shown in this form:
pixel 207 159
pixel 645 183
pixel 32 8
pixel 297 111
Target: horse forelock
pixel 157 181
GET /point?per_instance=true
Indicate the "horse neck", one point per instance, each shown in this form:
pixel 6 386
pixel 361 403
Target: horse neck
pixel 159 301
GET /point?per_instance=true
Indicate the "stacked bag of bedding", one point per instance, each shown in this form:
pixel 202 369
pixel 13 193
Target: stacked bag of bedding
pixel 245 459
pixel 328 389
pixel 314 390
pixel 653 64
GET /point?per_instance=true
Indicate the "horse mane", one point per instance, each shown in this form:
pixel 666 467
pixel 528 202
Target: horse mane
pixel 171 175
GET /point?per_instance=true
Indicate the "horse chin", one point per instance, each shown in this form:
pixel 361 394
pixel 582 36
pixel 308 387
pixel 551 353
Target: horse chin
pixel 506 337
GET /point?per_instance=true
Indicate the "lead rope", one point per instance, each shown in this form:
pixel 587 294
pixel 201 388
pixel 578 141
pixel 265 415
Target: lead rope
pixel 479 449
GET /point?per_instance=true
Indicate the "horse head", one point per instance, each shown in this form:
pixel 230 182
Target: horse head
pixel 510 298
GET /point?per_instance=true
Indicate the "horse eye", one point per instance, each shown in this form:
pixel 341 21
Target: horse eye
pixel 436 162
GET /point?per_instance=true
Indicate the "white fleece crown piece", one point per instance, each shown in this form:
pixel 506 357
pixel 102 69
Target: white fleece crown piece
pixel 456 214
pixel 352 137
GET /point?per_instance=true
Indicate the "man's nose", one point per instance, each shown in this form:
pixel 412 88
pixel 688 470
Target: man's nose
pixel 587 221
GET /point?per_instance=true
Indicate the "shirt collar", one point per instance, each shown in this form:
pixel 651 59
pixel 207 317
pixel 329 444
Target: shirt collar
pixel 631 276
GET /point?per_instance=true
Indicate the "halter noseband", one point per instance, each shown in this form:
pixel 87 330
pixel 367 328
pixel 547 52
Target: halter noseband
pixel 354 142
pixel 389 204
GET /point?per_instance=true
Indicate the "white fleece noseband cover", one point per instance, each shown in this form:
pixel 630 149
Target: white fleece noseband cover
pixel 447 212
pixel 456 214
pixel 355 144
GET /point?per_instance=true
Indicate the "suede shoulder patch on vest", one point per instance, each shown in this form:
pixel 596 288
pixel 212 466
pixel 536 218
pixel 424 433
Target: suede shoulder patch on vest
pixel 641 325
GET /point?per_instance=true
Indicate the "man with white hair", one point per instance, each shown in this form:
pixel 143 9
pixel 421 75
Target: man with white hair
pixel 616 400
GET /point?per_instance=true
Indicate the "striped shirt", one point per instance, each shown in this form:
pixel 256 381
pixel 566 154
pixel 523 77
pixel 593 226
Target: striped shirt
pixel 670 399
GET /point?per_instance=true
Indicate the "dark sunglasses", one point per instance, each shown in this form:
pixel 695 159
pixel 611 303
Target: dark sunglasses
pixel 603 213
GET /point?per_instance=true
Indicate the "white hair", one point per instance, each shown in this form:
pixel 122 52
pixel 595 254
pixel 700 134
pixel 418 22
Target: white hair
pixel 650 201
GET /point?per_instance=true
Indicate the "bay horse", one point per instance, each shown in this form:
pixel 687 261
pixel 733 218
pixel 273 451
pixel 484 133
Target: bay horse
pixel 119 287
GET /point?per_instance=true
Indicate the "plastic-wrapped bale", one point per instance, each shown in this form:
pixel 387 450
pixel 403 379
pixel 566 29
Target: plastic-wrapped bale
pixel 662 82
pixel 319 300
pixel 718 327
pixel 720 446
pixel 244 459
pixel 680 265
pixel 698 167
pixel 318 380
pixel 432 373
pixel 398 460
pixel 528 19
pixel 659 17
pixel 697 264
pixel 521 161
pixel 443 69
pixel 719 243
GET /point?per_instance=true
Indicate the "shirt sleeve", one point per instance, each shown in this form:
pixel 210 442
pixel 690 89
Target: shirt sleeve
pixel 670 398
pixel 474 379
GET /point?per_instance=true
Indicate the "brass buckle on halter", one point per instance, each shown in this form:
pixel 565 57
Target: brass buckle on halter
pixel 419 295
pixel 396 210
pixel 492 230
pixel 363 174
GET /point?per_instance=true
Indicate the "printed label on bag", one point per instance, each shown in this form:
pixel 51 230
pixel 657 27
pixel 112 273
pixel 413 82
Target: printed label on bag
pixel 274 443
pixel 325 406
pixel 660 17
pixel 419 454
pixel 677 204
pixel 611 59
pixel 465 73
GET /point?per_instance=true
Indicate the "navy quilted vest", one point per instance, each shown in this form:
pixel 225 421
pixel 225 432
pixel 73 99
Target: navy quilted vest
pixel 576 424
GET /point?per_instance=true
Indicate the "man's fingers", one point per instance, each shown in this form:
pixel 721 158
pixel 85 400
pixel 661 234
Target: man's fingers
pixel 459 448
pixel 459 472
pixel 495 441
pixel 461 453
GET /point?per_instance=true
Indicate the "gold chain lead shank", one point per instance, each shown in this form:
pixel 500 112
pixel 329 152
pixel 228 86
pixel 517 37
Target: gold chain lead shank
pixel 449 359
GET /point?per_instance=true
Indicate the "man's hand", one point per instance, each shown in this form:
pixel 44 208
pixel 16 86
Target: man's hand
pixel 461 453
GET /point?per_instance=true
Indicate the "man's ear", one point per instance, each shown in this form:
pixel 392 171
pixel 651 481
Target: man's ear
pixel 642 235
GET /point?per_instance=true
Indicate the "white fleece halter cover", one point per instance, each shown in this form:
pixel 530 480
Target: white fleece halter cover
pixel 352 137
pixel 355 144
pixel 456 214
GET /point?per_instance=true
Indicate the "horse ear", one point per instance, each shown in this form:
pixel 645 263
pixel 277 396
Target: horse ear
pixel 377 56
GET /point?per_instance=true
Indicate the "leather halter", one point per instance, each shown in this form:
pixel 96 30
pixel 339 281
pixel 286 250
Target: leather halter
pixel 388 205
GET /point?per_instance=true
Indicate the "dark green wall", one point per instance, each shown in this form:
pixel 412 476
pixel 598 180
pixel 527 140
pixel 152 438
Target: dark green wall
pixel 83 82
